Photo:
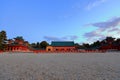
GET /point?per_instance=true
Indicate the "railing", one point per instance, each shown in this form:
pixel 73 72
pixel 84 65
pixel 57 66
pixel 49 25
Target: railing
pixel 57 52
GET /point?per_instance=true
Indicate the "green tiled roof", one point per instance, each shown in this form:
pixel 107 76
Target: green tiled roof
pixel 62 43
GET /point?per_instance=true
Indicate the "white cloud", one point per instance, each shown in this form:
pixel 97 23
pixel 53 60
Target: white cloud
pixel 94 4
pixel 53 38
pixel 104 29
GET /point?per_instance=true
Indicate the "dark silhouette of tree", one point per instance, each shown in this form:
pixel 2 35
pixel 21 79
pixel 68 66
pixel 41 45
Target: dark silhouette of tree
pixel 77 45
pixel 109 40
pixel 38 45
pixel 103 42
pixel 33 45
pixel 43 44
pixel 118 41
pixel 86 45
pixel 3 39
pixel 95 45
pixel 19 38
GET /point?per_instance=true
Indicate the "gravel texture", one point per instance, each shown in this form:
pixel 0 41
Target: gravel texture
pixel 82 66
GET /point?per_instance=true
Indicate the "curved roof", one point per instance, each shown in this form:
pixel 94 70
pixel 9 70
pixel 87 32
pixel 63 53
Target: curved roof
pixel 62 43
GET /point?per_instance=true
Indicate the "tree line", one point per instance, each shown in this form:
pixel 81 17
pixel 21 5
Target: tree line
pixel 44 44
pixel 35 45
pixel 97 44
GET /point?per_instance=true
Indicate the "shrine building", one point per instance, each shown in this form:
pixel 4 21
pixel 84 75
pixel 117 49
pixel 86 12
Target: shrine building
pixel 61 46
pixel 17 46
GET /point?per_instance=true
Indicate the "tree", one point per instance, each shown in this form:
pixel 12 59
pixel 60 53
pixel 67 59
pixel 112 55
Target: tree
pixel 77 45
pixel 102 42
pixel 86 45
pixel 3 36
pixel 95 45
pixel 38 45
pixel 3 39
pixel 118 40
pixel 109 40
pixel 43 44
pixel 33 45
pixel 19 38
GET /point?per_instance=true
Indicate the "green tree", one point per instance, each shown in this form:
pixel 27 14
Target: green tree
pixel 43 44
pixel 117 42
pixel 38 45
pixel 109 40
pixel 77 45
pixel 86 45
pixel 95 45
pixel 19 38
pixel 33 45
pixel 3 39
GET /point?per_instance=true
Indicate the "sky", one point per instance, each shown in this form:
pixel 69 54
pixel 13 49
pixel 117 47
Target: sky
pixel 81 21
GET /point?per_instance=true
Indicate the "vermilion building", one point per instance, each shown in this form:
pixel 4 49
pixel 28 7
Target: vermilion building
pixel 17 46
pixel 61 46
pixel 110 47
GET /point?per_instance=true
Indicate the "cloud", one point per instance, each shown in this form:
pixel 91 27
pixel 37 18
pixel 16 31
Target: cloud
pixel 52 38
pixel 114 30
pixel 94 4
pixel 108 24
pixel 70 37
pixel 73 37
pixel 107 28
pixel 93 36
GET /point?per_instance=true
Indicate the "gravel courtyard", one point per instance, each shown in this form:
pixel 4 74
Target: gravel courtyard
pixel 82 66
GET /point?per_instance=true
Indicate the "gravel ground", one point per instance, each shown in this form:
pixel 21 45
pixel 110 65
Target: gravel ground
pixel 82 66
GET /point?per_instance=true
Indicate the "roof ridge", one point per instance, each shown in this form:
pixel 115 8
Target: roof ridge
pixel 62 41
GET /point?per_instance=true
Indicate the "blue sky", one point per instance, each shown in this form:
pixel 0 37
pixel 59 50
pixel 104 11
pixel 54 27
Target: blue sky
pixel 78 20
